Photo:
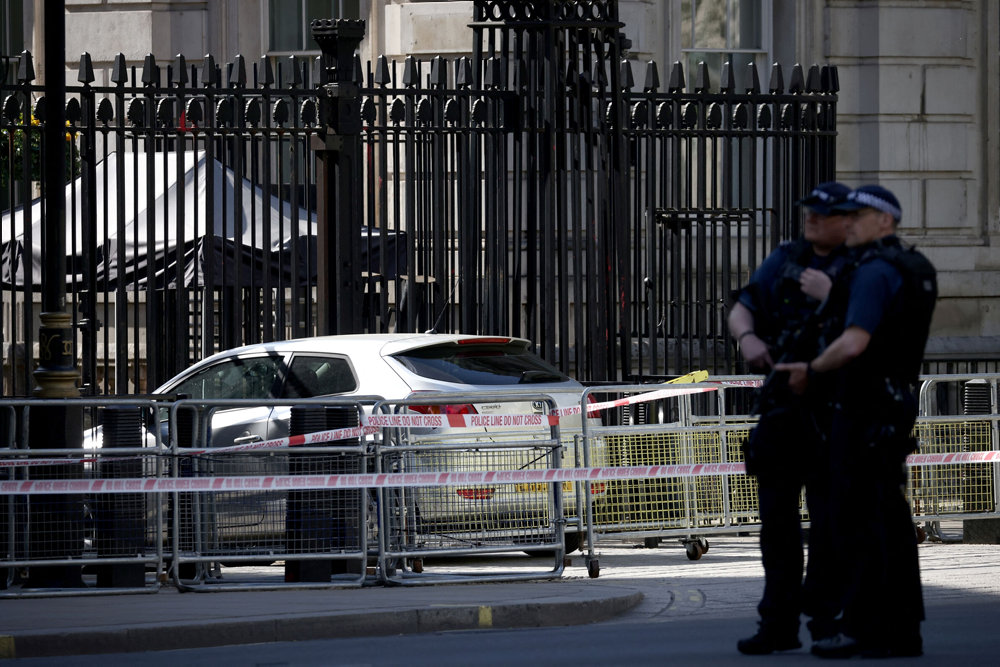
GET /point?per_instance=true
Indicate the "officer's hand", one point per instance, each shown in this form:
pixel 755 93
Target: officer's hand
pixel 815 283
pixel 755 352
pixel 798 375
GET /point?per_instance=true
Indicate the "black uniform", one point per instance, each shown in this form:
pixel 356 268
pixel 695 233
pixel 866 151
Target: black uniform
pixel 890 294
pixel 787 449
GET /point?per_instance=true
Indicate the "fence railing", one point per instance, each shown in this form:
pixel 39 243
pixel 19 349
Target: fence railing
pixel 532 189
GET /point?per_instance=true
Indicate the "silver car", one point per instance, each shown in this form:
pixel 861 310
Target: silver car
pixel 395 367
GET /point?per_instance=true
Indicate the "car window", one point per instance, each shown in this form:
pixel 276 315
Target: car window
pixel 233 378
pixel 318 376
pixel 480 364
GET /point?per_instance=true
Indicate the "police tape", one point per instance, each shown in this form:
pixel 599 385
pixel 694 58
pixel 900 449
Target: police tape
pixel 458 421
pixel 418 479
pixel 656 395
pixel 371 424
pixel 739 383
pixel 276 443
pixel 955 457
pixel 363 480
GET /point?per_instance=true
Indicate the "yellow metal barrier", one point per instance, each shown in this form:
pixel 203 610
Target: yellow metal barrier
pixel 696 428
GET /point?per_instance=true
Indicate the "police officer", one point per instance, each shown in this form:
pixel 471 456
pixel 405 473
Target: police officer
pixel 886 302
pixel 770 321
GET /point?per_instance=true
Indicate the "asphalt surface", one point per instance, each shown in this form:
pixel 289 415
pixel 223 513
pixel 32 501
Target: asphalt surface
pixel 636 584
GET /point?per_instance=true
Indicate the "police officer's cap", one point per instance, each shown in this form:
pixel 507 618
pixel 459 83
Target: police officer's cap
pixel 825 196
pixel 872 196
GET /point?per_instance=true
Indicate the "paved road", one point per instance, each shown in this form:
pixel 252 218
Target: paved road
pixel 698 609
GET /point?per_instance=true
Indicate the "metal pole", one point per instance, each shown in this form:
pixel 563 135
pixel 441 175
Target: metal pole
pixel 338 179
pixel 56 374
pixel 56 527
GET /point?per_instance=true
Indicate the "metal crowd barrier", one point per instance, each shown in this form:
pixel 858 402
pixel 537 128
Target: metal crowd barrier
pixel 320 535
pixel 656 425
pixel 959 422
pixel 60 537
pixel 158 495
pixel 458 520
pixel 953 474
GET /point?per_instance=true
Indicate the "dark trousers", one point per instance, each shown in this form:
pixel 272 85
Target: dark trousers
pixel 795 458
pixel 884 600
pixel 786 595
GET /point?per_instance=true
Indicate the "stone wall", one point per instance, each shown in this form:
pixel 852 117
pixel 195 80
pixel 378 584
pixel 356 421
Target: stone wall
pixel 918 89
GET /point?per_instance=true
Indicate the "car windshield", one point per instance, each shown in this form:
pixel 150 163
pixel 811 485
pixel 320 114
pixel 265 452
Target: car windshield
pixel 488 364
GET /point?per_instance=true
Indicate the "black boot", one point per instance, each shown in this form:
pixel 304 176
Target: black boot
pixel 770 639
pixel 822 628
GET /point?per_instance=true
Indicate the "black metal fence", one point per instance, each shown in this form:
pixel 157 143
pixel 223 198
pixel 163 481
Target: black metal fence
pixel 531 189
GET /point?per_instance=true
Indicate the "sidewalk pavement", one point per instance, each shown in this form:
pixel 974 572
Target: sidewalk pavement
pixel 635 584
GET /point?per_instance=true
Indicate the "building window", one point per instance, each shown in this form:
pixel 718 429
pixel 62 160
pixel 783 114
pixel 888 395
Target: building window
pixel 11 27
pixel 719 31
pixel 287 22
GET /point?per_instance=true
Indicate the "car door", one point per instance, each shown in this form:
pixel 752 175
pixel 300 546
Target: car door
pixel 238 377
pixel 237 518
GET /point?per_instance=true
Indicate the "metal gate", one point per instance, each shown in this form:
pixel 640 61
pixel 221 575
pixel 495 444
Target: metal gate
pixel 532 189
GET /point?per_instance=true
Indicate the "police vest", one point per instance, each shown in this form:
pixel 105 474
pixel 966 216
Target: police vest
pixel 787 306
pixel 897 348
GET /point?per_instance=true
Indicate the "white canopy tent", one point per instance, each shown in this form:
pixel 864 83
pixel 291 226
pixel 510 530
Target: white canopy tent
pixel 193 235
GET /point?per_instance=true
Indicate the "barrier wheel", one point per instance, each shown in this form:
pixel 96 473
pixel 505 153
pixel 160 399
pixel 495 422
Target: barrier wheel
pixel 594 569
pixel 650 542
pixel 694 550
pixel 704 544
pixel 921 534
pixel 571 542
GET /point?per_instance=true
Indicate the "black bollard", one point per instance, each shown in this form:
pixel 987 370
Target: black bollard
pixel 120 519
pixel 56 522
pixel 182 505
pixel 320 521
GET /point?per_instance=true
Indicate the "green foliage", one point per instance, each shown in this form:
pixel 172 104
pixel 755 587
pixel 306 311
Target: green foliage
pixel 18 141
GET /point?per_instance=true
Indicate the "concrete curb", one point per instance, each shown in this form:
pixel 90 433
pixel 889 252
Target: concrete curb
pixel 166 636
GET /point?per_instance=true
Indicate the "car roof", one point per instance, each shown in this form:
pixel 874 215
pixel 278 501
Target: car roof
pixel 356 346
pixel 384 343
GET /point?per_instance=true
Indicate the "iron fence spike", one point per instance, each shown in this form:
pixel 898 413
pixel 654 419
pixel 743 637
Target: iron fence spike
pixel 676 78
pixel 238 72
pixel 150 71
pixel 383 75
pixel 753 85
pixel 86 71
pixel 652 82
pixel 777 82
pixel 813 83
pixel 439 72
pixel 702 83
pixel 25 68
pixel 265 72
pixel 119 72
pixel 463 73
pixel 625 75
pixel 797 82
pixel 411 72
pixel 181 70
pixel 210 74
pixel 727 80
